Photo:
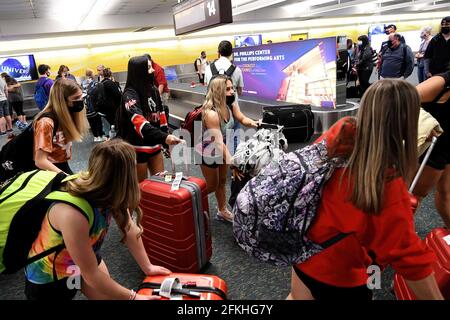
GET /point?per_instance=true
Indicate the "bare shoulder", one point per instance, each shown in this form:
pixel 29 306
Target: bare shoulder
pixel 62 214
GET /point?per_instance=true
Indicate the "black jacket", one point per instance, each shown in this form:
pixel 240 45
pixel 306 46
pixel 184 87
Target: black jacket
pixel 365 61
pixel 135 126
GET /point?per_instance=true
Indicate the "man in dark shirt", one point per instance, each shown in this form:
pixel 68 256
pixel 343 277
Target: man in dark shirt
pixel 437 56
pixel 398 59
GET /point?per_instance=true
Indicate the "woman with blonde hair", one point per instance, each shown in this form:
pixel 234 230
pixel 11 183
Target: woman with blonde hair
pixel 219 113
pixel 62 121
pixel 368 201
pixel 111 188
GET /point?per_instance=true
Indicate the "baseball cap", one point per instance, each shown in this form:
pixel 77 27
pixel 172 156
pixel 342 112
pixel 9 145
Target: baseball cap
pixel 446 19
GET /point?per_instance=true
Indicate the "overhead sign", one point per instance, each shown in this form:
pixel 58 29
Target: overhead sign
pixel 195 15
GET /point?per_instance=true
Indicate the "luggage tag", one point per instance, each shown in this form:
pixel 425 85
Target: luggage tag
pixel 447 239
pixel 177 181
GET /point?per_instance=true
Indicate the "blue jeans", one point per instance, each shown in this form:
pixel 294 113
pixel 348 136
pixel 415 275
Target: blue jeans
pixel 421 73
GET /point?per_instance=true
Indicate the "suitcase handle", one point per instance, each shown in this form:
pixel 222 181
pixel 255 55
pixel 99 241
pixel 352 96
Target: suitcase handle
pixel 422 165
pixel 264 125
pixel 192 288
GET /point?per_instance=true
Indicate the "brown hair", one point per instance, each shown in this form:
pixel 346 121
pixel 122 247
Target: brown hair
pixel 386 139
pixel 111 182
pixel 74 125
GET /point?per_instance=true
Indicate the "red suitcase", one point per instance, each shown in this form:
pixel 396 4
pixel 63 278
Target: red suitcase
pixel 176 231
pixel 437 240
pixel 193 287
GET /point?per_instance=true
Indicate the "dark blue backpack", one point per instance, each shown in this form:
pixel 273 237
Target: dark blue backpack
pixel 40 96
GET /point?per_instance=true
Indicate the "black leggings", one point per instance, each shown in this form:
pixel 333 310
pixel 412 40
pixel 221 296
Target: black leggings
pixel 322 291
pixel 96 126
pixel 18 108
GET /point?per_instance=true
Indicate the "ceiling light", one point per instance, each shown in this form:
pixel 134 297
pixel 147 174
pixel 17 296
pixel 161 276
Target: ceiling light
pixel 252 6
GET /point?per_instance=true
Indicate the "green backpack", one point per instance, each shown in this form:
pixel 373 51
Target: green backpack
pixel 24 202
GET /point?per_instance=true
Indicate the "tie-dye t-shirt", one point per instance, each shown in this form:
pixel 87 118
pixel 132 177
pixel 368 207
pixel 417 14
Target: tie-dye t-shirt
pixel 41 271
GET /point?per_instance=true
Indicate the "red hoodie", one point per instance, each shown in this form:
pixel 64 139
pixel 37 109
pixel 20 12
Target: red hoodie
pixel 389 235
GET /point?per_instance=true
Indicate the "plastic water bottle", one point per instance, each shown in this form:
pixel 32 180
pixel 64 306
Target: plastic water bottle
pixel 112 132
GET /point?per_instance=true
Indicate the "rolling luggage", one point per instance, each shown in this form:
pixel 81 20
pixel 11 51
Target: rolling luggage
pixel 183 286
pixel 437 240
pixel 298 121
pixel 176 231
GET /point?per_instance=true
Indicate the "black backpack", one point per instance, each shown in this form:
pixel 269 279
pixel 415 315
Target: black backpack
pixel 95 97
pixel 216 72
pixel 195 64
pixel 16 156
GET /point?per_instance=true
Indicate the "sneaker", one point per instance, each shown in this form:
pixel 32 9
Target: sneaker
pixel 22 125
pixel 103 138
pixel 97 139
pixel 225 216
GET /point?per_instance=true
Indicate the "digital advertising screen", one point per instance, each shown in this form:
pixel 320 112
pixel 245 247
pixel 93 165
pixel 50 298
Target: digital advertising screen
pixel 302 72
pixel 21 68
pixel 171 73
pixel 247 41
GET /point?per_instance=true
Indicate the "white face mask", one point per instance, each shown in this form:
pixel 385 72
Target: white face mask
pixel 359 43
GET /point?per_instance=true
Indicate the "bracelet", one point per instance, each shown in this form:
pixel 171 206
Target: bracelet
pixel 132 294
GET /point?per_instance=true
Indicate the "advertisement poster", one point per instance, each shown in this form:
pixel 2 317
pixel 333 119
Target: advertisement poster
pixel 302 72
pixel 247 41
pixel 21 68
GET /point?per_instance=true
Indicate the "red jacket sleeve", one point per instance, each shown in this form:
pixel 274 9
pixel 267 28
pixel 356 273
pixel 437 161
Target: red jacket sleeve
pixel 391 236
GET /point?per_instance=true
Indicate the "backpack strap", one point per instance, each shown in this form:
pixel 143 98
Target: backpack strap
pixel 333 240
pixel 214 70
pixel 230 70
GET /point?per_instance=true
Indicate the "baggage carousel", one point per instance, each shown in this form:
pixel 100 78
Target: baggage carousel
pixel 184 97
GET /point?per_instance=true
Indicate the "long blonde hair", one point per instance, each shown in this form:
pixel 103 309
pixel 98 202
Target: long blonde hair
pixel 386 139
pixel 74 125
pixel 216 97
pixel 111 182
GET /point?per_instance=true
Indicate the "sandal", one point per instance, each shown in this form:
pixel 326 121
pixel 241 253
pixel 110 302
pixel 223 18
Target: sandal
pixel 227 216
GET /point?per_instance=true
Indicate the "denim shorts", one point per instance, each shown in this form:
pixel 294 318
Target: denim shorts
pixel 4 108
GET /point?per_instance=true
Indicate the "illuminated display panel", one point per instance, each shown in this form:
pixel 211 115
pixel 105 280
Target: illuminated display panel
pixel 195 15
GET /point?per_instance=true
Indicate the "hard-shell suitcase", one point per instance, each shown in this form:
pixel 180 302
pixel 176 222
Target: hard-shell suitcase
pixel 176 231
pixel 437 240
pixel 184 286
pixel 298 121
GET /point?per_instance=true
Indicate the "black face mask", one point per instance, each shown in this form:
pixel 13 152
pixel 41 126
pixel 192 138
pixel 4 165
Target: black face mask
pixel 387 32
pixel 77 106
pixel 230 100
pixel 390 44
pixel 445 30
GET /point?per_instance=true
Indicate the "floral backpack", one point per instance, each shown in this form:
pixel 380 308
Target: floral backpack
pixel 275 209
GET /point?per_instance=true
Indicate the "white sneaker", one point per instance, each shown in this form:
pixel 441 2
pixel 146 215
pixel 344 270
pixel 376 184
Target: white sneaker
pixel 104 138
pixel 97 139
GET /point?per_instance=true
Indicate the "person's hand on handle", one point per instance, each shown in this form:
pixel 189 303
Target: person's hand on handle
pixel 143 297
pixel 237 175
pixel 172 140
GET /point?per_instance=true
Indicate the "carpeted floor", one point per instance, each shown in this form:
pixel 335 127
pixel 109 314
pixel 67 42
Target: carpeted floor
pixel 246 277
